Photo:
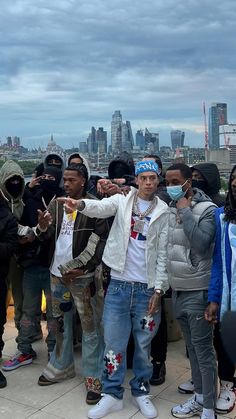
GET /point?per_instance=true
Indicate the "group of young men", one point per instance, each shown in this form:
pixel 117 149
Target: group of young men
pixel 148 246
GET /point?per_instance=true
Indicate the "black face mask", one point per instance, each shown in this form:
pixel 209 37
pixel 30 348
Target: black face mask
pixel 49 187
pixel 200 184
pixel 14 189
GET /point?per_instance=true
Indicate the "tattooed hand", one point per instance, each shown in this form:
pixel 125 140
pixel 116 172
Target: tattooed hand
pixel 154 304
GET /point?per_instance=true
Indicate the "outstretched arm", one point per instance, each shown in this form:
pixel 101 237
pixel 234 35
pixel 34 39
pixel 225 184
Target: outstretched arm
pixel 93 208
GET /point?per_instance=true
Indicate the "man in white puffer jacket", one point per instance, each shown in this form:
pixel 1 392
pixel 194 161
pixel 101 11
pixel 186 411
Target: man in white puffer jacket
pixel 136 253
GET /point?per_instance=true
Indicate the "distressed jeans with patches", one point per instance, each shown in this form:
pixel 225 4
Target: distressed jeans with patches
pixel 61 364
pixel 125 309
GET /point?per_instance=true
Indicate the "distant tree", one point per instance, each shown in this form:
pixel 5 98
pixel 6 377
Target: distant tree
pixel 224 184
pixel 27 166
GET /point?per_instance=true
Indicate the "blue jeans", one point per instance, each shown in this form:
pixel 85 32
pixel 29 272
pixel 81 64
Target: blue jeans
pixel 35 280
pixel 125 309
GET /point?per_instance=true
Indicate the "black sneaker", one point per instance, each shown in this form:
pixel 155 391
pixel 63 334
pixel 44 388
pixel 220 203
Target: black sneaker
pixel 93 397
pixel 3 381
pixel 158 374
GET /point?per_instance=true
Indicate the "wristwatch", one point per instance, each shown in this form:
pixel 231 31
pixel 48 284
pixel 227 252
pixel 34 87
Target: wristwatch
pixel 80 206
pixel 159 292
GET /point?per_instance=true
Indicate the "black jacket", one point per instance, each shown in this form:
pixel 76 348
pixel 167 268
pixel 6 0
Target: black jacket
pixel 8 237
pixel 84 226
pixel 35 253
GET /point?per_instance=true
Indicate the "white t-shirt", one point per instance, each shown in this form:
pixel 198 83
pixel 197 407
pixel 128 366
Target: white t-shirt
pixel 135 264
pixel 63 250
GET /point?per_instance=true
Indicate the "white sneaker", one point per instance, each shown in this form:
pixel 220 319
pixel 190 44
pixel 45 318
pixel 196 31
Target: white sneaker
pixel 190 408
pixel 106 405
pixel 187 387
pixel 146 406
pixel 226 400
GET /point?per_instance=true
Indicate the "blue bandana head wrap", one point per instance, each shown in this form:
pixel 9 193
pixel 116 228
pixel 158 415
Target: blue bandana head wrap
pixel 146 166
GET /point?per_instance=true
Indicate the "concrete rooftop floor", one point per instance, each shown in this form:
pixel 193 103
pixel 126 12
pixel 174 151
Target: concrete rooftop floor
pixel 23 398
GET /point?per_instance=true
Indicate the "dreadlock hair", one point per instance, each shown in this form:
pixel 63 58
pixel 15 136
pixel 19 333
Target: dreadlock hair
pixel 230 202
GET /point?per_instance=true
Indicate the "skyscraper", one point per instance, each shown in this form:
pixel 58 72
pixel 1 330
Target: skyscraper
pixel 151 141
pixel 217 117
pixel 140 140
pixel 97 141
pixel 177 139
pixel 127 137
pixel 116 132
pixel 91 142
pixel 101 140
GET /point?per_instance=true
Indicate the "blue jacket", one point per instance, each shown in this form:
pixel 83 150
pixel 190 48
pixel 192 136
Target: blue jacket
pixel 221 289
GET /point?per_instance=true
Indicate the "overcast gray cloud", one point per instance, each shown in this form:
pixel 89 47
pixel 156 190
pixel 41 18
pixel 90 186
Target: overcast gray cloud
pixel 68 64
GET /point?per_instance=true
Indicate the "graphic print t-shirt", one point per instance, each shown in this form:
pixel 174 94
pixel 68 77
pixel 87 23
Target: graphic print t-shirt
pixel 63 250
pixel 135 264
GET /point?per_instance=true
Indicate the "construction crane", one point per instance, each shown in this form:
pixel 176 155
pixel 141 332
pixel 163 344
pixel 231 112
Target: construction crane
pixel 205 127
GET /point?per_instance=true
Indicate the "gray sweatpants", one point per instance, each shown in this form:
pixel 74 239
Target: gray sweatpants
pixel 189 307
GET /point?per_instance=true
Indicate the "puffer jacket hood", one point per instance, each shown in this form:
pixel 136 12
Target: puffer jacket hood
pixel 84 161
pixel 200 196
pixel 7 171
pixel 211 175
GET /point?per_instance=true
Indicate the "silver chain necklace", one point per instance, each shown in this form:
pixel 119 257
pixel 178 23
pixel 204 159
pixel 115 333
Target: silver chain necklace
pixel 139 224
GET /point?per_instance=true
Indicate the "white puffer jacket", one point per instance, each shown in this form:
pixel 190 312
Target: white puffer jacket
pixel 115 250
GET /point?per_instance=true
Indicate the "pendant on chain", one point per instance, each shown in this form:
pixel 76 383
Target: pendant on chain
pixel 138 226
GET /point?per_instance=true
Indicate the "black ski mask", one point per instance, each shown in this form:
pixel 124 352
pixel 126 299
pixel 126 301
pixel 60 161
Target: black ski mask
pixel 51 187
pixel 14 186
pixel 200 184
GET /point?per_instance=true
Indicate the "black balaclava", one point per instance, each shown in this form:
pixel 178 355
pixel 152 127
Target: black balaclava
pixel 51 187
pixel 14 186
pixel 200 184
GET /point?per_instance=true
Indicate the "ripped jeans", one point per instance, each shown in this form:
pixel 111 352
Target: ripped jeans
pixel 125 309
pixel 61 364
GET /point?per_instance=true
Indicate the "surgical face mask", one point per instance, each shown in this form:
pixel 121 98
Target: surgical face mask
pixel 176 192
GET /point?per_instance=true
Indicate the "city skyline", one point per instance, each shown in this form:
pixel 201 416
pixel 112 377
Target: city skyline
pixel 68 65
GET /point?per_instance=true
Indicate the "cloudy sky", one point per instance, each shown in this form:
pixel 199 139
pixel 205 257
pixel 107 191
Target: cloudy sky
pixel 66 65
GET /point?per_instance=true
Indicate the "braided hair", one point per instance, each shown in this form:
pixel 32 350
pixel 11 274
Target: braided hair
pixel 230 202
pixel 81 169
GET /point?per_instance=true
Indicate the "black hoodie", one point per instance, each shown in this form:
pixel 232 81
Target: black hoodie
pixel 211 175
pixel 122 167
pixel 8 236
